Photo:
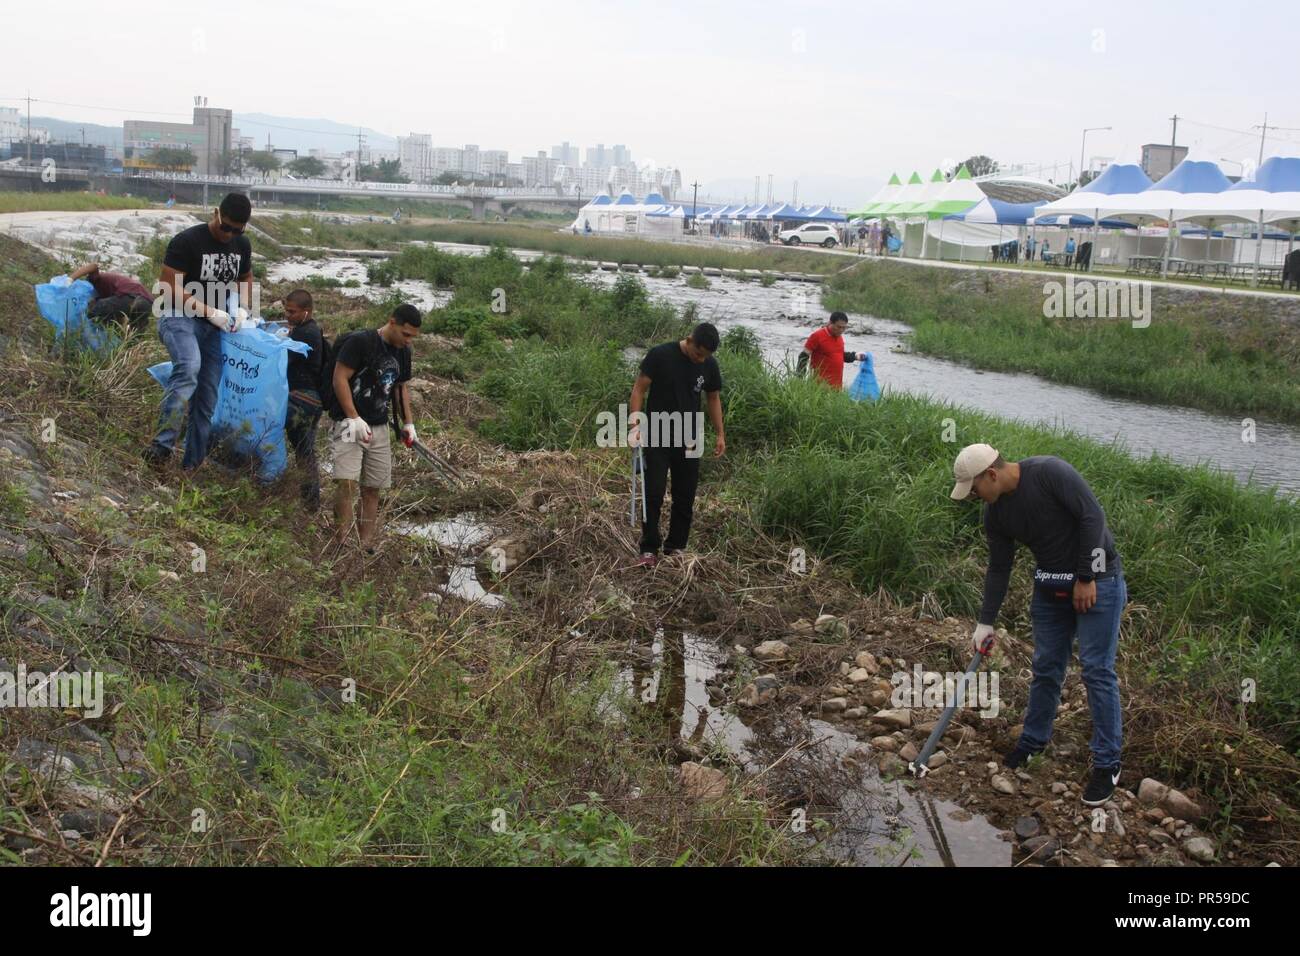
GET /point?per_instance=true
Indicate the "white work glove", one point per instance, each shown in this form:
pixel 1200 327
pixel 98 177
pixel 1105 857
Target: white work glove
pixel 222 320
pixel 356 429
pixel 408 435
pixel 983 633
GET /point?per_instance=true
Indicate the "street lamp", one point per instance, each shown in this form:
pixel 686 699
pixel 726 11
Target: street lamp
pixel 1083 146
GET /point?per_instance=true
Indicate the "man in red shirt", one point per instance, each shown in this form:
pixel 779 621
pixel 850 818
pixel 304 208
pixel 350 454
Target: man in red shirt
pixel 825 348
pixel 118 297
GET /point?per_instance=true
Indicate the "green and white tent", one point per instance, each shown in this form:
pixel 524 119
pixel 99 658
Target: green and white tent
pixel 885 194
pixel 921 200
pixel 958 195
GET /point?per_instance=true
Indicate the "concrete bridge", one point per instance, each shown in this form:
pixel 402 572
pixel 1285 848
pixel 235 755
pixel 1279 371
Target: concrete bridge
pixel 480 199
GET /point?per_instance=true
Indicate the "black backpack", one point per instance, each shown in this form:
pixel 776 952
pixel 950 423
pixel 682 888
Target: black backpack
pixel 329 357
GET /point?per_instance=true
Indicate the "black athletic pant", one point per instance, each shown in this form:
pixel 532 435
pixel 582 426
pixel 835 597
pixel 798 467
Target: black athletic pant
pixel 300 426
pixel 659 462
pixel 123 309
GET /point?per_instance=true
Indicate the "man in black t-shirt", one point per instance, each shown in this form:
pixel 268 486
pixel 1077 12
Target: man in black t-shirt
pixel 675 374
pixel 204 267
pixel 304 392
pixel 371 368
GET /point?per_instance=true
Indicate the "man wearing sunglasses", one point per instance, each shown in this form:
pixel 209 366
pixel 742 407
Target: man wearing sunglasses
pixel 204 290
pixel 1079 593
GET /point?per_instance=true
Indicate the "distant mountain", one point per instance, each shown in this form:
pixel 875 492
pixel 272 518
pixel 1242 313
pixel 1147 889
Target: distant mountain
pixel 71 132
pixel 287 132
pixel 849 191
pixel 292 132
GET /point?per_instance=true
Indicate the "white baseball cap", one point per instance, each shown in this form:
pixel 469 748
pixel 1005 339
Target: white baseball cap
pixel 971 460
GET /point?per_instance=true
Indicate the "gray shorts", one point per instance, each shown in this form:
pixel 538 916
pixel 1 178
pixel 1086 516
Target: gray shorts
pixel 370 463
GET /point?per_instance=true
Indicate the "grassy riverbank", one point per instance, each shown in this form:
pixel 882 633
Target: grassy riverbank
pixel 51 201
pixel 545 238
pixel 1212 566
pixel 1221 353
pixel 229 736
pixel 230 680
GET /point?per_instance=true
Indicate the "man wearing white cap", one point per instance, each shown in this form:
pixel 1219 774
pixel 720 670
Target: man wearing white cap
pixel 1079 592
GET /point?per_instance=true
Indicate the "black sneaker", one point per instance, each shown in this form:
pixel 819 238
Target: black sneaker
pixel 1018 757
pixel 1102 785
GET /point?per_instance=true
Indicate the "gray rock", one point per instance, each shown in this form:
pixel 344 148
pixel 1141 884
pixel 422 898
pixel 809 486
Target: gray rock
pixel 760 691
pixel 1026 828
pixel 1003 784
pixel 88 821
pixel 894 718
pixel 702 783
pixel 1058 787
pixel 891 764
pixel 834 705
pixel 1200 848
pixel 772 651
pixel 909 751
pixel 887 744
pixel 1153 792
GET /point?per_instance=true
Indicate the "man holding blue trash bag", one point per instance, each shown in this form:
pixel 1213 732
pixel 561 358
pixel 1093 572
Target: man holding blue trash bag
pixel 825 348
pixel 203 268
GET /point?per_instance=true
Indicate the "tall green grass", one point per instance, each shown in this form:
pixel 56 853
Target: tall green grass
pixel 43 201
pixel 1227 354
pixel 1212 565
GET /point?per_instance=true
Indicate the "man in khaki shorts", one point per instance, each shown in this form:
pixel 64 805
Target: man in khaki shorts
pixel 369 367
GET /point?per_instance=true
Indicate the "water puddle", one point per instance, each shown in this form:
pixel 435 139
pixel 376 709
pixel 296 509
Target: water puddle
pixel 880 822
pixel 459 538
pixel 873 821
pixel 672 679
pixel 418 292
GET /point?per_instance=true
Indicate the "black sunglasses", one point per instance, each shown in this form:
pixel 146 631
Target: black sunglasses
pixel 224 227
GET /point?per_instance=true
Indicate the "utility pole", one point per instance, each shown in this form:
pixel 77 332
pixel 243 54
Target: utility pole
pixel 29 127
pixel 695 196
pixel 1263 131
pixel 756 187
pixel 1173 141
pixel 769 189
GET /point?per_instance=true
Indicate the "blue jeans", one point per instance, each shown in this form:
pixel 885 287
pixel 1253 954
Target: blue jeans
pixel 195 348
pixel 1055 628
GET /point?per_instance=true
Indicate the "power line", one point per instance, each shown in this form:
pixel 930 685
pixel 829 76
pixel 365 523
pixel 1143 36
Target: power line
pixel 87 106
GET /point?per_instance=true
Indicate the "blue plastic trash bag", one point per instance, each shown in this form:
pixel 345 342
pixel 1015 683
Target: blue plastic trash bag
pixel 893 243
pixel 865 387
pixel 64 304
pixel 252 398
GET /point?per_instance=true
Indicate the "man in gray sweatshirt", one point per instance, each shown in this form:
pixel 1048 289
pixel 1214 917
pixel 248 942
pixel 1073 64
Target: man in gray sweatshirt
pixel 1079 592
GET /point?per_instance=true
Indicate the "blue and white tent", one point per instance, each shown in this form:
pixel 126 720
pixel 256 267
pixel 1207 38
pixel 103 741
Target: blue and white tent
pixel 1273 194
pixel 824 214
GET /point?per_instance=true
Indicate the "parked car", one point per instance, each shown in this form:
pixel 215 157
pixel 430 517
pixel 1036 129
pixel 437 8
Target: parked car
pixel 813 233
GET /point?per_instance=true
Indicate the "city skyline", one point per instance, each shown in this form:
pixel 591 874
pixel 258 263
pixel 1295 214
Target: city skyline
pixel 833 95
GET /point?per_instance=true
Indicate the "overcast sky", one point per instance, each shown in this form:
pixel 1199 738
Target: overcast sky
pixel 838 95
